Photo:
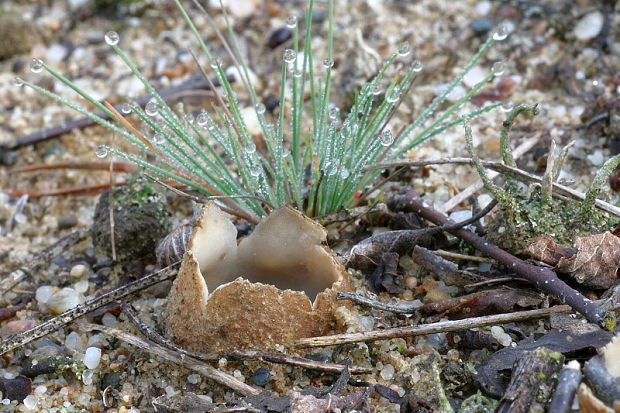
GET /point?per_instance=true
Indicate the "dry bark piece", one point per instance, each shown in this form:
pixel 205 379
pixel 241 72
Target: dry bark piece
pixel 603 372
pixel 589 403
pixel 596 262
pixel 284 251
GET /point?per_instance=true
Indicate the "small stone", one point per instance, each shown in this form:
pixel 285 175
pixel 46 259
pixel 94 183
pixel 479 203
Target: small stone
pixel 40 389
pixel 16 327
pixel 81 286
pixel 193 378
pixel 30 402
pixel 481 26
pixel 92 357
pixel 279 36
pixel 387 373
pixel 64 300
pixel 261 377
pixel 44 293
pixel 73 341
pixel 78 270
pixel 108 320
pixel 589 26
pixel 498 333
pixel 65 222
pixel 87 377
pixel 411 282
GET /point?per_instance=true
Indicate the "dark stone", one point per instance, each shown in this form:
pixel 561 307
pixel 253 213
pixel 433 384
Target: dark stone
pixel 279 36
pixel 481 26
pixel 140 219
pixel 272 103
pixel 112 379
pixel 261 377
pixel 65 222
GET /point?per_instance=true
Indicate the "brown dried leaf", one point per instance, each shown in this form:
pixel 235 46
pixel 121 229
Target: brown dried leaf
pixel 589 403
pixel 596 262
pixel 545 249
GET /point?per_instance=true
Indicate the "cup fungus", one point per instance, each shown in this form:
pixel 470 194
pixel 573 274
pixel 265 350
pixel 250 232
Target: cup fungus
pixel 283 264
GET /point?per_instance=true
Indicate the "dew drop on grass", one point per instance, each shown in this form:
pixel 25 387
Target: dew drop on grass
pixel 151 107
pixel 36 65
pixel 290 55
pixel 344 174
pixel 297 73
pixel 255 170
pixel 159 138
pixel 260 108
pixel 328 63
pixel 18 82
pixel 416 66
pixel 498 68
pixel 125 108
pixel 291 22
pixel 101 151
pixel 506 106
pixel 333 113
pixel 393 95
pixel 202 118
pixel 251 148
pixel 375 90
pixel 111 38
pixel 404 49
pixel 386 138
pixel 189 118
pixel 215 63
pixel 501 33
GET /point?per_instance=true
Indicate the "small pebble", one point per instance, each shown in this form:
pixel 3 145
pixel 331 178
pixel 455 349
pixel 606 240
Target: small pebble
pixel 261 377
pixel 589 26
pixel 92 357
pixel 481 26
pixel 498 333
pixel 44 293
pixel 411 282
pixel 16 327
pixel 78 270
pixel 193 378
pixel 87 377
pixel 387 373
pixel 30 402
pixel 279 36
pixel 64 300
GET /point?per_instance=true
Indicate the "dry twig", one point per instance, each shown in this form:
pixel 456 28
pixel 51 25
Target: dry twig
pixel 440 327
pixel 181 359
pixel 49 326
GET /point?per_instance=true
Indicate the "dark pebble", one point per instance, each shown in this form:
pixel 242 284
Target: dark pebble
pixel 279 36
pixel 481 26
pixel 65 222
pixel 50 365
pixel 272 103
pixel 261 377
pixel 16 389
pixel 112 379
pixel 322 357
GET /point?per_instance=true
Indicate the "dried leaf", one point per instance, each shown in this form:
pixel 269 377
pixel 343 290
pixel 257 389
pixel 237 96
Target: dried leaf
pixel 589 403
pixel 382 278
pixel 596 262
pixel 545 249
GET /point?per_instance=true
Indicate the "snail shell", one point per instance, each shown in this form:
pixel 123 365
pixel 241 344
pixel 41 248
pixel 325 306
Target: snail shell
pixel 173 246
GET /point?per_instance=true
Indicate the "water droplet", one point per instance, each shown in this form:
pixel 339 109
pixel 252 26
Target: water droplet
pixel 416 66
pixel 125 108
pixel 251 148
pixel 333 113
pixel 18 81
pixel 36 65
pixel 376 90
pixel 500 33
pixel 189 118
pixel 328 63
pixel 202 118
pixel 101 151
pixel 215 63
pixel 159 138
pixel 255 170
pixel 291 22
pixel 151 107
pixel 111 38
pixel 498 68
pixel 506 106
pixel 298 73
pixel 393 95
pixel 286 153
pixel 344 174
pixel 404 49
pixel 290 55
pixel 386 138
pixel 260 108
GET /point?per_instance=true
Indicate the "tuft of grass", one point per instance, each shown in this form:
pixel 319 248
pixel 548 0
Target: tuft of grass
pixel 313 158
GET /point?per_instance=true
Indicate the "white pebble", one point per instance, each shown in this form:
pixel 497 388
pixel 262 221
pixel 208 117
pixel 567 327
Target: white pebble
pixel 387 373
pixel 40 389
pixel 108 320
pixel 30 402
pixel 44 293
pixel 589 26
pixel 193 378
pixel 81 286
pixel 482 7
pixel 92 357
pixel 78 270
pixel 87 377
pixel 498 333
pixel 64 300
pixel 596 158
pixel 73 341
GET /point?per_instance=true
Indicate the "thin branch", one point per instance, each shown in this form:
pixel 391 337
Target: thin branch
pixel 440 327
pixel 16 276
pixel 49 326
pixel 543 278
pixel 181 359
